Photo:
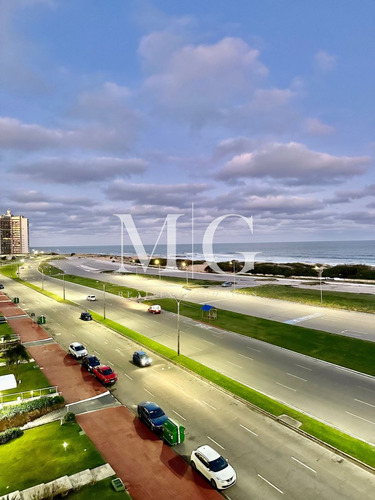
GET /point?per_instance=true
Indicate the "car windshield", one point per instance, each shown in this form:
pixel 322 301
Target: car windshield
pixel 218 464
pixel 107 371
pixel 158 412
pixel 143 356
pixel 94 361
pixel 79 348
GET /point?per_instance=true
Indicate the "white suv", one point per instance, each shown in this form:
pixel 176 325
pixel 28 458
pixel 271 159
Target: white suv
pixel 91 297
pixel 77 350
pixel 214 467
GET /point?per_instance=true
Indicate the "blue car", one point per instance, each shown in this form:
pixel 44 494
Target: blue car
pixel 140 358
pixel 152 415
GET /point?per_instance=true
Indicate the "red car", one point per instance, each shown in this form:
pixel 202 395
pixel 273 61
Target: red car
pixel 104 374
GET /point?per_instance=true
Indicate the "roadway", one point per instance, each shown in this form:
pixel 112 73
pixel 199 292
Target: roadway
pixel 332 394
pixel 272 462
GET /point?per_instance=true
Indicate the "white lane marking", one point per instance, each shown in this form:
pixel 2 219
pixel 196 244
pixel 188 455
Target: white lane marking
pixel 153 395
pixel 303 318
pixel 222 447
pixel 295 376
pixel 105 341
pixel 179 386
pixel 120 352
pixel 307 467
pixel 366 389
pixel 364 402
pixel 126 375
pixel 243 356
pixel 216 335
pixel 361 418
pixel 56 323
pixel 354 331
pixel 252 348
pixel 234 364
pixel 305 368
pixel 248 430
pixel 286 387
pixel 96 352
pixel 168 335
pixel 273 486
pixel 196 348
pixel 207 342
pixel 110 363
pixel 208 404
pixel 183 418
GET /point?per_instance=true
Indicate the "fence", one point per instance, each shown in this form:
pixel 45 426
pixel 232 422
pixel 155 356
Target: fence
pixel 22 396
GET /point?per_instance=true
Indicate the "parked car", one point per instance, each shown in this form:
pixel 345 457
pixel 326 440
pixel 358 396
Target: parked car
pixel 155 309
pixel 140 358
pixel 90 362
pixel 1 286
pixel 214 467
pixel 77 350
pixel 86 316
pixel 91 297
pixel 152 415
pixel 104 374
pixel 226 284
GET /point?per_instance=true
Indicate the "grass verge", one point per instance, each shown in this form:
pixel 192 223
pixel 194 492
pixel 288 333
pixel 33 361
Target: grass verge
pixel 39 456
pixel 103 490
pixel 31 377
pixel 349 352
pixel 354 447
pixel 362 302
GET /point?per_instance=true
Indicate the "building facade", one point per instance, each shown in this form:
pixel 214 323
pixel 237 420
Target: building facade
pixel 14 234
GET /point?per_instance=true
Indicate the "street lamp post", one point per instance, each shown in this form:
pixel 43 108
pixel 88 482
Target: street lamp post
pixel 234 273
pixel 178 326
pixel 63 286
pixel 320 272
pixel 187 273
pixel 104 300
pixel 157 262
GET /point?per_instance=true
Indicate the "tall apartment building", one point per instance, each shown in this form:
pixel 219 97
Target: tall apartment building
pixel 14 234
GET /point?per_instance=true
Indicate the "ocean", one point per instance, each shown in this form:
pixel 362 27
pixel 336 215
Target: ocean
pixel 313 252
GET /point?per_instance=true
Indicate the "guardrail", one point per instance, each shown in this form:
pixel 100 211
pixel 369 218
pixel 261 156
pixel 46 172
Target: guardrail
pixel 22 396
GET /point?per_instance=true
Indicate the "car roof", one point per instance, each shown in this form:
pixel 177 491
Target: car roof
pixel 104 367
pixel 141 353
pixel 208 452
pixel 149 405
pixel 76 344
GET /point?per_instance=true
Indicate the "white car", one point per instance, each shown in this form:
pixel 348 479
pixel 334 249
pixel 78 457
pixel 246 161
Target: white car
pixel 213 467
pixel 91 297
pixel 77 350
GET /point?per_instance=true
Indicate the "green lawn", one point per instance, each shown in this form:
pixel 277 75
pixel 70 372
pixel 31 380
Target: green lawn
pixel 363 302
pixel 39 456
pixel 31 377
pixel 352 353
pixel 103 490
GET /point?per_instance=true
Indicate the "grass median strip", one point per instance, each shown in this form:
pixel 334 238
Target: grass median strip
pixel 363 302
pixel 349 352
pixel 354 447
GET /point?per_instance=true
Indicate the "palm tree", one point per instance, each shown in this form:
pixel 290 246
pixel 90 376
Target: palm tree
pixel 15 355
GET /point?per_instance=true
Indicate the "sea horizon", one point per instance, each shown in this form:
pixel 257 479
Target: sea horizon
pixel 309 252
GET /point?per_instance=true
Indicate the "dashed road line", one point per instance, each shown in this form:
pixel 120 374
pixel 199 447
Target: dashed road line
pixel 364 402
pixel 295 376
pixel 222 447
pixel 234 364
pixel 305 368
pixel 361 418
pixel 301 463
pixel 183 418
pixel 208 404
pixel 248 430
pixel 243 356
pixel 273 486
pixel 120 352
pixel 253 349
pixel 126 375
pixel 286 387
pixel 153 395
pixel 207 342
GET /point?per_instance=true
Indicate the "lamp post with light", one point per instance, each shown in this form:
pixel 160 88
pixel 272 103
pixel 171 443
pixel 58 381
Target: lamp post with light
pixel 320 272
pixel 233 262
pixel 184 265
pixel 157 262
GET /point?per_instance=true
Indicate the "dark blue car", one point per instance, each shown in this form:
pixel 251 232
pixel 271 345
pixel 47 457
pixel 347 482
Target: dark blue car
pixel 140 358
pixel 152 415
pixel 90 362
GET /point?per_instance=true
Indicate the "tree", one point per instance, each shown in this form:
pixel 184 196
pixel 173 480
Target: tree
pixel 15 355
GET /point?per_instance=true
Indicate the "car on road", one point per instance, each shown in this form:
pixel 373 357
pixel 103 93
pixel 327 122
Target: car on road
pixel 104 374
pixel 152 415
pixel 140 358
pixel 1 286
pixel 90 362
pixel 155 309
pixel 86 316
pixel 226 284
pixel 214 467
pixel 77 350
pixel 91 298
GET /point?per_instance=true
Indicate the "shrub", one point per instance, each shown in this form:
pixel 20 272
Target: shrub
pixel 10 434
pixel 69 418
pixel 10 411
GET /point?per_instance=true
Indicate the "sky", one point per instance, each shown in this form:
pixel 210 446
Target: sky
pixel 242 109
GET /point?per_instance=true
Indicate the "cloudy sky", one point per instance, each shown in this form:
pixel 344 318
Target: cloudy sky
pixel 259 108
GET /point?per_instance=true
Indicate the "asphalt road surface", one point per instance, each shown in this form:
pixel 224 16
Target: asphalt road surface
pixel 272 461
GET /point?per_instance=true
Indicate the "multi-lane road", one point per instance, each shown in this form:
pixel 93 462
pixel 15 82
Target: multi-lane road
pixel 272 462
pixel 337 396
